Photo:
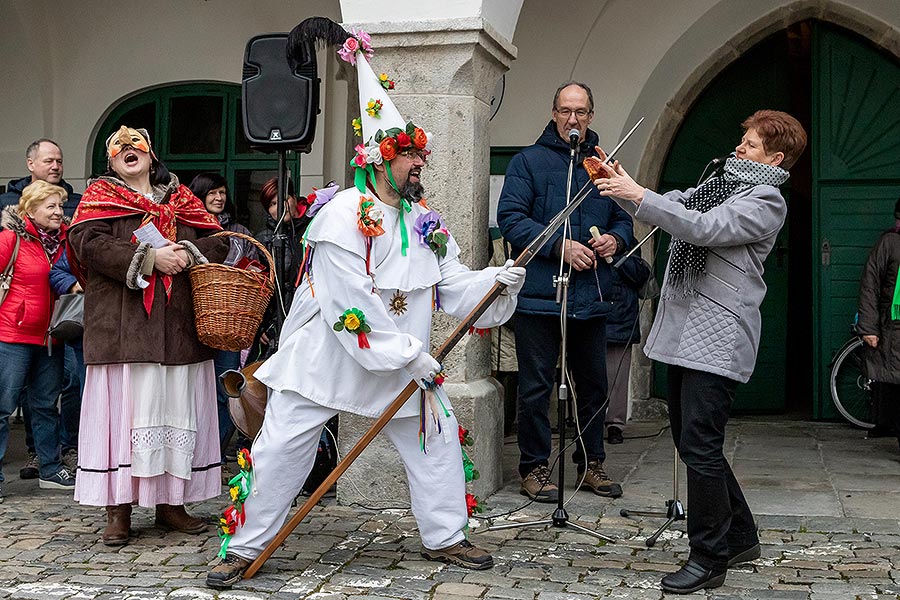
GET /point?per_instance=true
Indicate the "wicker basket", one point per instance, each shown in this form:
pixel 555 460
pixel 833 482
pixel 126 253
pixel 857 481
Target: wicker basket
pixel 229 302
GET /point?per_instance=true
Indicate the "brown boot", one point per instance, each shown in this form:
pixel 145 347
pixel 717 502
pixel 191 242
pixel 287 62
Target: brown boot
pixel 118 525
pixel 175 517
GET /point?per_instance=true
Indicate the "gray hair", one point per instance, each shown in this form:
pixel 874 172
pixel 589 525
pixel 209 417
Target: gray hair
pixel 583 86
pixel 34 146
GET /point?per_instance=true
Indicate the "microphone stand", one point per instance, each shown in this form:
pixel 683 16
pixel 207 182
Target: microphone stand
pixel 674 508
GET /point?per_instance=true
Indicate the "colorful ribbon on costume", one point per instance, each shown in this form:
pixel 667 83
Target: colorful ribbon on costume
pixel 239 489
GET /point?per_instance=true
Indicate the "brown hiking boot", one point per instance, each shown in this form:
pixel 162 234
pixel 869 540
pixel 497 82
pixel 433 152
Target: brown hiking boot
pixel 537 485
pixel 596 480
pixel 462 554
pixel 228 572
pixel 118 525
pixel 175 517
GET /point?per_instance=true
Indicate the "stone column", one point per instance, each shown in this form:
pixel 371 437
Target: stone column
pixel 445 73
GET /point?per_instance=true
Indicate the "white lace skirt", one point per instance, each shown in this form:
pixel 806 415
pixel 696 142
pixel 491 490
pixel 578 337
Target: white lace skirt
pixel 149 435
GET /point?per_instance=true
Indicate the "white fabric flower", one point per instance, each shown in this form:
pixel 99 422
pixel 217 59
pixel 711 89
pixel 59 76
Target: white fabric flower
pixel 373 154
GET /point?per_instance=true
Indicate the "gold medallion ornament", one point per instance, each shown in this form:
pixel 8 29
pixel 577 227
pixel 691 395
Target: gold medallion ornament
pixel 398 303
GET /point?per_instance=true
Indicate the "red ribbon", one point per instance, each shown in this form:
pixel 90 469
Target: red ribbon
pixel 362 340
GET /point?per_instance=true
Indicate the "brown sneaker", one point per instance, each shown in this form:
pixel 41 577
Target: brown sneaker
pixel 537 485
pixel 462 554
pixel 598 481
pixel 228 572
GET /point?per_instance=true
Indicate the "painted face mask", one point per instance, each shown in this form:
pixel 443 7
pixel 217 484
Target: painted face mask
pixel 138 139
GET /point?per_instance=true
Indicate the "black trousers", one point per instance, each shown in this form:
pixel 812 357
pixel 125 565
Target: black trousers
pixel 538 341
pixel 718 517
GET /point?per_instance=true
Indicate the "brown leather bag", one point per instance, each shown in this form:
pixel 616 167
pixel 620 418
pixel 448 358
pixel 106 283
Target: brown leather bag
pixel 6 277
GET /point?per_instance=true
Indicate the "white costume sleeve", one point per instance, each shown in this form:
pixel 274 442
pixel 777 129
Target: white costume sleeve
pixel 461 289
pixel 342 283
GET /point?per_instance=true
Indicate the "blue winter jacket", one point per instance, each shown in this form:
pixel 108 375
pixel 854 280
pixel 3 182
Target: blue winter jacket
pixel 533 193
pixel 14 192
pixel 622 326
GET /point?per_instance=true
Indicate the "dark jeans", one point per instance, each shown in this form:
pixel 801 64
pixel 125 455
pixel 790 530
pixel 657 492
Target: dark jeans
pixel 74 373
pixel 28 365
pixel 224 361
pixel 886 407
pixel 538 341
pixel 718 516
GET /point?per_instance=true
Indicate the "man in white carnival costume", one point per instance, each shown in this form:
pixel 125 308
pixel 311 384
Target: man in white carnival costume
pixel 377 263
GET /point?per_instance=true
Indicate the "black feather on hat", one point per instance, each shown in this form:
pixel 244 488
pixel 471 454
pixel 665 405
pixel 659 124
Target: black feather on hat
pixel 314 31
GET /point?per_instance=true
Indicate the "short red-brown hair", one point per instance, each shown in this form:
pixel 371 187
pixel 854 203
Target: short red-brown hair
pixel 269 192
pixel 779 132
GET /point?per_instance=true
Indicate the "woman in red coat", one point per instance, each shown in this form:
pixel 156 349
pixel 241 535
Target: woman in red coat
pixel 37 225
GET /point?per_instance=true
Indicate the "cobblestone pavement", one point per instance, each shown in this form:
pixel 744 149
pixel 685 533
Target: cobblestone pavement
pixel 812 548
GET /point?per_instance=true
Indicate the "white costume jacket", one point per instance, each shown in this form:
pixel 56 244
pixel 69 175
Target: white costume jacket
pixel 397 298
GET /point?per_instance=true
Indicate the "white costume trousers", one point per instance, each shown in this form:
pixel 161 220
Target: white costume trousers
pixel 285 450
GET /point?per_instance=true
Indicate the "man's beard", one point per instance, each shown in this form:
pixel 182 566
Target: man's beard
pixel 412 191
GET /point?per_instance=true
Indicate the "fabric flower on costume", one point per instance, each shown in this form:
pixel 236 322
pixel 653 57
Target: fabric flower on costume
pixel 354 321
pixel 386 82
pixel 370 218
pixel 473 504
pixel 323 197
pixel 360 159
pixel 359 41
pixel 389 148
pixel 373 107
pixel 357 126
pixel 403 140
pixel 239 490
pixel 464 438
pixel 432 233
pixel 419 138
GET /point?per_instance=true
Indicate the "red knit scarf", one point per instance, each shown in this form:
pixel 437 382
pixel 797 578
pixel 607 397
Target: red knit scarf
pixel 104 199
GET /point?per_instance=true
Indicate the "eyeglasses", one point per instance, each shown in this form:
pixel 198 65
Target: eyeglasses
pixel 567 112
pixel 413 154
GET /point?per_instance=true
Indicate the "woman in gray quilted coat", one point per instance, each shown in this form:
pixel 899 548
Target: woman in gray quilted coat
pixel 707 325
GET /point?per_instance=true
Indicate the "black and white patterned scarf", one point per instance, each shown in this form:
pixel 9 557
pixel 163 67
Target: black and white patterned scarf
pixel 687 262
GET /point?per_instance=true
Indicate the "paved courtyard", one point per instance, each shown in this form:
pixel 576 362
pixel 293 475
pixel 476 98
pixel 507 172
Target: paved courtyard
pixel 827 501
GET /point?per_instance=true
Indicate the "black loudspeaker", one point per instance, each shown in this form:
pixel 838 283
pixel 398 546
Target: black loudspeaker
pixel 280 102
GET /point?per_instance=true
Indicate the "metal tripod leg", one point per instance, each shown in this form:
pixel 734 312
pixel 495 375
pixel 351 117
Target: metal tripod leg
pixel 674 509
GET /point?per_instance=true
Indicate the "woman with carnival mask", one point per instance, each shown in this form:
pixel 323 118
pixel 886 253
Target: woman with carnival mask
pixel 707 325
pixel 149 395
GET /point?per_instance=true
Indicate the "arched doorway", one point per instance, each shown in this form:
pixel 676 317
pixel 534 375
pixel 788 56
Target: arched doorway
pixel 198 127
pixel 840 195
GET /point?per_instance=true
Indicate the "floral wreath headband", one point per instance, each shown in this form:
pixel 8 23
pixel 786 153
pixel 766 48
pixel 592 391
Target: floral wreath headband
pixel 385 144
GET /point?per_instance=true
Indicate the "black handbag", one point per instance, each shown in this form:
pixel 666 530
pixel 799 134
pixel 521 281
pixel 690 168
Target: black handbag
pixel 67 322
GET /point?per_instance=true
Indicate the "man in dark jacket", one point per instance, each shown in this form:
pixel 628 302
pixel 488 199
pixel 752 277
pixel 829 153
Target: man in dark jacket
pixel 533 193
pixel 44 160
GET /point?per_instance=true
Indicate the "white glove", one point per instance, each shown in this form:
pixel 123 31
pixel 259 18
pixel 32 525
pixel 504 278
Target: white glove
pixel 513 277
pixel 423 368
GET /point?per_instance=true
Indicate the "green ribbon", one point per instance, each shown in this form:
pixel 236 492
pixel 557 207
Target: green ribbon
pixel 359 179
pixel 404 236
pixel 895 303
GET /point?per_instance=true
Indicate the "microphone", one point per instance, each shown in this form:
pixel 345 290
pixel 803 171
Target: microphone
pixel 720 160
pixel 574 136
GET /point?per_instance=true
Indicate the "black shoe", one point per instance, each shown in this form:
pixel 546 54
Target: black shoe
pixel 692 577
pixel 614 435
pixel 879 431
pixel 736 557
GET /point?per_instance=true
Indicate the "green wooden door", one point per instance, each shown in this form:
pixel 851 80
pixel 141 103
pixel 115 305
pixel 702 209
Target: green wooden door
pixel 758 79
pixel 856 180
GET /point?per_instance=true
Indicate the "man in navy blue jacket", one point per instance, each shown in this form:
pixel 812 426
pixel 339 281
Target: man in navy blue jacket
pixel 533 192
pixel 44 161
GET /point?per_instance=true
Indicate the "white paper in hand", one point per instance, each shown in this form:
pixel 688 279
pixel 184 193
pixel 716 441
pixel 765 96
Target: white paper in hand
pixel 149 234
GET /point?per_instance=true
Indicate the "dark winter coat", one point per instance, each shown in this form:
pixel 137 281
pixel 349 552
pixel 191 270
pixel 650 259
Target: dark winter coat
pixel 117 329
pixel 622 326
pixel 25 313
pixel 14 191
pixel 533 193
pixel 876 292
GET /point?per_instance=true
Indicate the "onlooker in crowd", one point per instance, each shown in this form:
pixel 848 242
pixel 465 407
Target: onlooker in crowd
pixel 533 193
pixel 149 394
pixel 44 161
pixel 293 228
pixel 707 325
pixel 36 225
pixel 879 325
pixel 212 190
pixel 622 332
pixel 64 282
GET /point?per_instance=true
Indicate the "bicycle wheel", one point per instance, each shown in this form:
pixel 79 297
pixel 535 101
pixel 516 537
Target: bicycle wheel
pixel 849 385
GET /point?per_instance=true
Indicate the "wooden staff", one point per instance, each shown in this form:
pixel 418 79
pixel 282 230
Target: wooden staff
pixel 461 330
